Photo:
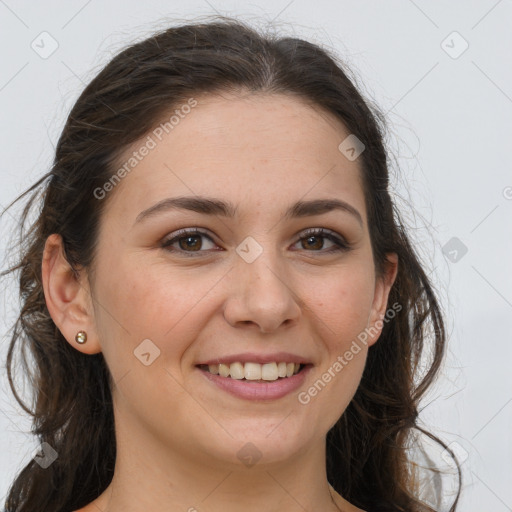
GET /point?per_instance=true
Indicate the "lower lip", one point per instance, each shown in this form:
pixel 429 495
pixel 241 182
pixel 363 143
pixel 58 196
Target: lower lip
pixel 249 390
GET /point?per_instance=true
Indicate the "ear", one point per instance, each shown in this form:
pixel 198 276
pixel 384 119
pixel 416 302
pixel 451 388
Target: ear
pixel 383 286
pixel 67 296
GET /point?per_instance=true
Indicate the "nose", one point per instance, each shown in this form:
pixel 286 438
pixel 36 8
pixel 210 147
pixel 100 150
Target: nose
pixel 261 294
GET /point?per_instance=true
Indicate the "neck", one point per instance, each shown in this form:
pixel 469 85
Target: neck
pixel 149 478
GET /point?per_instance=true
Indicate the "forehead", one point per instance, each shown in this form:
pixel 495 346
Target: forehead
pixel 258 150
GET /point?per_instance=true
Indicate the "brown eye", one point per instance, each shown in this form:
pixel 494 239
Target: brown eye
pixel 187 241
pixel 313 241
pixel 192 242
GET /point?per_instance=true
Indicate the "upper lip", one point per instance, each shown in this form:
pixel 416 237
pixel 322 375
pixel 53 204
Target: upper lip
pixel 253 357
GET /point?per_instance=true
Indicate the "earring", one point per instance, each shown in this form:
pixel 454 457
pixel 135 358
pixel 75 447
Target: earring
pixel 81 337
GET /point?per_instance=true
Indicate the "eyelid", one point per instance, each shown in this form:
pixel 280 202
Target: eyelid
pixel 186 231
pixel 321 232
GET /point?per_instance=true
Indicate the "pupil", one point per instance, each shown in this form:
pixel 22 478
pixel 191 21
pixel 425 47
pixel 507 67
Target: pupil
pixel 189 245
pixel 318 245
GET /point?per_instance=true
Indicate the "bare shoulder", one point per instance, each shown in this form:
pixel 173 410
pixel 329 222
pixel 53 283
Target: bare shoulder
pixel 95 506
pixel 100 503
pixel 88 508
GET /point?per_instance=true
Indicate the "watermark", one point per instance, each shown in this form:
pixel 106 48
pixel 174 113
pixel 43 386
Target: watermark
pixel 45 455
pixel 455 249
pixel 305 397
pixel 454 45
pixel 351 147
pixel 149 144
pixel 249 249
pixel 459 451
pixel 45 45
pixel 146 352
pixel 249 454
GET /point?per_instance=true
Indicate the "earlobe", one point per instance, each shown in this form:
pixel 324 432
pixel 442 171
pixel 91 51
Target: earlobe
pixel 383 285
pixel 67 298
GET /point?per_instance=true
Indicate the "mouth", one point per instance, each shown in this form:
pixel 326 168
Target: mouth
pixel 254 372
pixel 255 381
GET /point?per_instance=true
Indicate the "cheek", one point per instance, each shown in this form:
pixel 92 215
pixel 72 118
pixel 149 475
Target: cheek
pixel 138 302
pixel 341 308
pixel 343 303
pixel 342 311
pixel 144 312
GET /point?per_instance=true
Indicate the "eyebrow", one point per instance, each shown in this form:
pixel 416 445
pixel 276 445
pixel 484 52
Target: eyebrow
pixel 211 206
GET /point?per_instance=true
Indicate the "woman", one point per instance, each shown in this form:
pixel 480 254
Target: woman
pixel 222 303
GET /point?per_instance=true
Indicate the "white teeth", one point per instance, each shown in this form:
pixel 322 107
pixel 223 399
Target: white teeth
pixel 281 369
pixel 269 371
pixel 255 371
pixel 252 371
pixel 236 370
pixel 223 370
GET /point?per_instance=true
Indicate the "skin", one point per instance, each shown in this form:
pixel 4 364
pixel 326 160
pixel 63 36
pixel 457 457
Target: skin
pixel 177 434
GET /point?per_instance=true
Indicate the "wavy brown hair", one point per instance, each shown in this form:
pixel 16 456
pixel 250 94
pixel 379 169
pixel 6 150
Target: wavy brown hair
pixel 72 410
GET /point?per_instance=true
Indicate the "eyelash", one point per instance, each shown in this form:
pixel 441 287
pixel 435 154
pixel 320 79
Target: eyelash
pixel 340 244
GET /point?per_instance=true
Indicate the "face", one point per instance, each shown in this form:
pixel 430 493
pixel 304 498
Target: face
pixel 180 285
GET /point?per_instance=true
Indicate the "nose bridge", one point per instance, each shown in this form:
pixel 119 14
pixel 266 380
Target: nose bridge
pixel 261 291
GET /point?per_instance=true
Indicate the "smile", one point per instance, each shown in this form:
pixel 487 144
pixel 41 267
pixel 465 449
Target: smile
pixel 254 381
pixel 254 371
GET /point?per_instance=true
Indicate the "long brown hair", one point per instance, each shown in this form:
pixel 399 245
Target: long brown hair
pixel 367 461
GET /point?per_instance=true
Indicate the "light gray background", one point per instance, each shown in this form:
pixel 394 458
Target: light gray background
pixel 450 130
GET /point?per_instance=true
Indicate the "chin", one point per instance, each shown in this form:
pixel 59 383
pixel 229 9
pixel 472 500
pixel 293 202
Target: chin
pixel 261 442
